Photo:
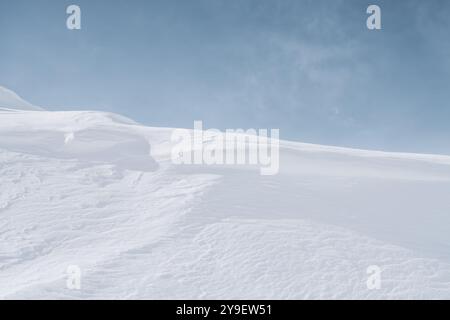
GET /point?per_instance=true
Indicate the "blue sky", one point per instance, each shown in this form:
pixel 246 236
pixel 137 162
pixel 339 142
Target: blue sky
pixel 310 68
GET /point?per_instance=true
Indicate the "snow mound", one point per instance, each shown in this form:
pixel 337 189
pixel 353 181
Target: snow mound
pixel 10 100
pixel 98 191
pixel 85 136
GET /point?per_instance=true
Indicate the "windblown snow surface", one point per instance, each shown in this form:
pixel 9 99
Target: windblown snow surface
pixel 99 191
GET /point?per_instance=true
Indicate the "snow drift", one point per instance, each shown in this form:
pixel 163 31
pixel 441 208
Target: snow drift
pixel 99 191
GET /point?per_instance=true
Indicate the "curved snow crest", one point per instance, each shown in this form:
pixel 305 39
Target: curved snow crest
pixel 9 100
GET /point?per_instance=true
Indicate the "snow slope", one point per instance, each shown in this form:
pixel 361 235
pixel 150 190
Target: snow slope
pixel 99 191
pixel 10 100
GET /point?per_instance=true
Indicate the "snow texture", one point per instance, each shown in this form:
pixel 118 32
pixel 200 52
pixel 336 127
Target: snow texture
pixel 99 191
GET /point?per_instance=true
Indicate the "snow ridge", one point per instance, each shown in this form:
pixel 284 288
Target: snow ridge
pixel 10 100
